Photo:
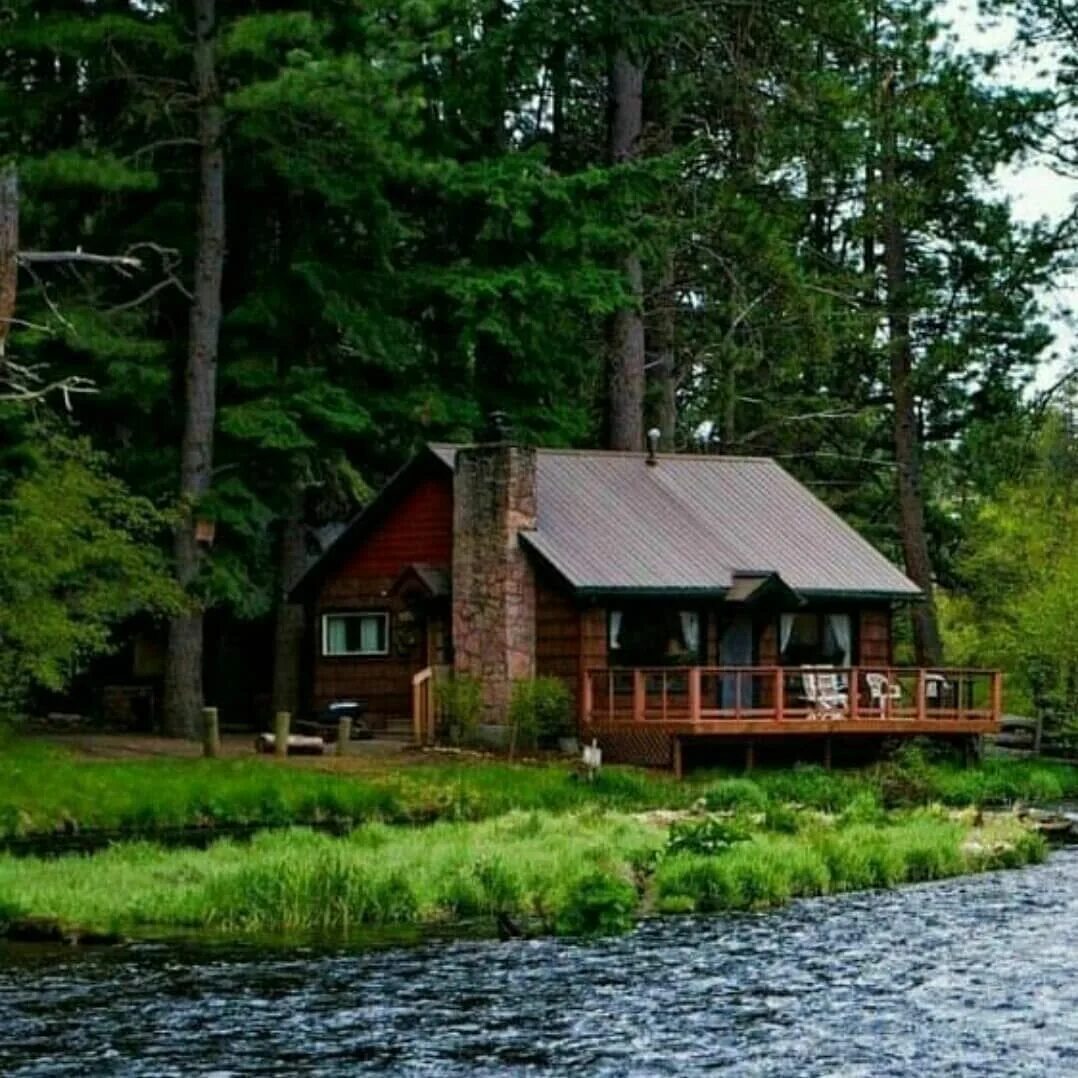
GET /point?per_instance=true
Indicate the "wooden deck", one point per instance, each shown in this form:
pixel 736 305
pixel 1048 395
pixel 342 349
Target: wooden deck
pixel 740 701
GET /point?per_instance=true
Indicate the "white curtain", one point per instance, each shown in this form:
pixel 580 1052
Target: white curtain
pixel 615 630
pixel 336 636
pixel 839 625
pixel 370 632
pixel 786 630
pixel 690 630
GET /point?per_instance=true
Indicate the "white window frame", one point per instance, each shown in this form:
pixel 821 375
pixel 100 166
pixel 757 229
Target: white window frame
pixel 327 654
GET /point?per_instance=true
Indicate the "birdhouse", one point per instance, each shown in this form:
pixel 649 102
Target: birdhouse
pixel 205 530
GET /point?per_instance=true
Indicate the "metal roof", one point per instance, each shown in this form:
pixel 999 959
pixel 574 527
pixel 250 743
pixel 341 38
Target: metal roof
pixel 610 522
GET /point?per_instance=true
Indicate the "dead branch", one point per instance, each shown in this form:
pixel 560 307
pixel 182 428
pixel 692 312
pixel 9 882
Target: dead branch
pixel 118 262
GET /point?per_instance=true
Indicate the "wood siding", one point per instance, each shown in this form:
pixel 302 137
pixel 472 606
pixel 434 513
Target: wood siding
pixel 557 636
pixel 417 530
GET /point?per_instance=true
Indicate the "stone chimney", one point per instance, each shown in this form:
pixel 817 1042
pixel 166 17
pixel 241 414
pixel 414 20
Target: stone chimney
pixel 493 582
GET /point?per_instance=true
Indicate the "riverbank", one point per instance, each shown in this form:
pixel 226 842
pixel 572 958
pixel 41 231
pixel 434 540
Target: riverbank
pixel 532 873
pixel 482 845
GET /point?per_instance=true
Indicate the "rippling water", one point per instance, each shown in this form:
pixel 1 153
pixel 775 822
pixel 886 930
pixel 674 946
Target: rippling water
pixel 977 976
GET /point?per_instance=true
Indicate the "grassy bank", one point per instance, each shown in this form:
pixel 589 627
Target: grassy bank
pixel 45 789
pixel 576 873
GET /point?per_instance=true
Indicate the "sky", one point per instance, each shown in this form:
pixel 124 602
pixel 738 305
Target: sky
pixel 1034 190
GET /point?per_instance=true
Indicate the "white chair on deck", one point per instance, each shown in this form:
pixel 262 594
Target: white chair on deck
pixel 880 691
pixel 824 690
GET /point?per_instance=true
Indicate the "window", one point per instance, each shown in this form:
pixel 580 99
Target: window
pixel 811 638
pixel 653 636
pixel 355 634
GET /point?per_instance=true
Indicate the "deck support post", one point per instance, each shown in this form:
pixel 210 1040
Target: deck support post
pixel 750 754
pixel 827 752
pixel 211 733
pixel 281 722
pixel 678 761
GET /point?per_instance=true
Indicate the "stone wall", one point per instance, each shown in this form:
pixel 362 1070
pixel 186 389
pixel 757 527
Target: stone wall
pixel 493 582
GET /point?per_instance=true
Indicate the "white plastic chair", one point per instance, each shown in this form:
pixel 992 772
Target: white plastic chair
pixel 880 691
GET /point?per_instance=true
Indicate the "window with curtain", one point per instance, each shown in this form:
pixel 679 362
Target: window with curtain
pixel 364 633
pixel 809 639
pixel 653 635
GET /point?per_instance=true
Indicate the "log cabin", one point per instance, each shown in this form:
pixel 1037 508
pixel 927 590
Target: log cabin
pixel 682 598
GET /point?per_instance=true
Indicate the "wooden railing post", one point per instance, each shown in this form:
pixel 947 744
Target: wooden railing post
pixel 997 695
pixel 694 693
pixel 922 694
pixel 780 693
pixel 639 695
pixel 853 694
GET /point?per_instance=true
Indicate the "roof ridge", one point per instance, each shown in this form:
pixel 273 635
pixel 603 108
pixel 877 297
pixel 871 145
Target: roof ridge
pixel 567 451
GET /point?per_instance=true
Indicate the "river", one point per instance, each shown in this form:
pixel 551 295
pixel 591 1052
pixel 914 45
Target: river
pixel 974 976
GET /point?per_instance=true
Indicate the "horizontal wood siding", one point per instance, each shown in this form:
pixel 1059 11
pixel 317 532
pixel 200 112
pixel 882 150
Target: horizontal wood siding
pixel 557 636
pixel 417 530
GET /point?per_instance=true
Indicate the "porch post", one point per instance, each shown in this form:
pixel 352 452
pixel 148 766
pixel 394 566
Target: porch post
pixel 922 701
pixel 780 690
pixel 997 695
pixel 639 695
pixel 694 693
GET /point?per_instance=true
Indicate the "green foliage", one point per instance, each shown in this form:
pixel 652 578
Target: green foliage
pixel 1019 598
pixel 597 904
pixel 459 703
pixel 77 556
pixel 736 793
pixel 540 710
pixel 709 836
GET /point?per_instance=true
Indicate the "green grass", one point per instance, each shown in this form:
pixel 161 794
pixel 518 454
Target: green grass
pixel 45 789
pixel 576 873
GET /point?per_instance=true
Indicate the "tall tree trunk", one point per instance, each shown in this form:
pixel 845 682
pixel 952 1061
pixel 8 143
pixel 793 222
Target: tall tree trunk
pixel 626 364
pixel 9 251
pixel 911 511
pixel 183 662
pixel 289 629
pixel 664 371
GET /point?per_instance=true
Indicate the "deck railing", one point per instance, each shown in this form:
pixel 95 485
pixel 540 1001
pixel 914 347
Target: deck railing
pixel 736 697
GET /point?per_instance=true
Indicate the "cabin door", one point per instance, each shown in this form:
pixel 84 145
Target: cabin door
pixel 735 649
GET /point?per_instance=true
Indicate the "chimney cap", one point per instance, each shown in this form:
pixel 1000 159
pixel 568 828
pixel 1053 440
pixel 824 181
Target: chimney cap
pixel 498 427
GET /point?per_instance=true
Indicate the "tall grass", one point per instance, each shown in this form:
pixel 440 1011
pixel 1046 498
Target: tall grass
pixel 574 873
pixel 771 869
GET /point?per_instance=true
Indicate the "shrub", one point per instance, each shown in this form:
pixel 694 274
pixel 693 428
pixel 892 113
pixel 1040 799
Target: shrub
pixel 596 904
pixel 736 794
pixel 540 711
pixel 704 837
pixel 460 706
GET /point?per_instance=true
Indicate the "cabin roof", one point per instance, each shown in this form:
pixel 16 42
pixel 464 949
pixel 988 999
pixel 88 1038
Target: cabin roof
pixel 610 522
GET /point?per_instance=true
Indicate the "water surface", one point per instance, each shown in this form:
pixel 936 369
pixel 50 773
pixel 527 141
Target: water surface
pixel 976 976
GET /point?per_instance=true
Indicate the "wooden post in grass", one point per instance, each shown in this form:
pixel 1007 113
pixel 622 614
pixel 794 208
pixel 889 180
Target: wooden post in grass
pixel 281 722
pixel 344 734
pixel 211 733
